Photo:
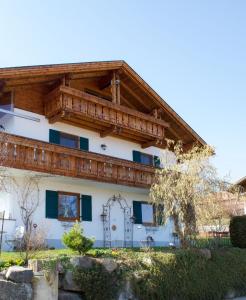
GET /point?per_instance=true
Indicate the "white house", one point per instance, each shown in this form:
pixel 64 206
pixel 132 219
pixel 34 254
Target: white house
pixel 93 132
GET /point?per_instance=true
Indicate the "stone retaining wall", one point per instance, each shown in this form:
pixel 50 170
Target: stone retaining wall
pixel 57 283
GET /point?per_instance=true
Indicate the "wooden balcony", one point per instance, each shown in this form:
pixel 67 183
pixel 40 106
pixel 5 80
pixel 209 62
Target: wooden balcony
pixel 79 108
pixel 28 154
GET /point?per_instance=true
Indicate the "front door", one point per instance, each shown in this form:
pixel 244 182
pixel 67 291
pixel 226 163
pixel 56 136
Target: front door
pixel 116 225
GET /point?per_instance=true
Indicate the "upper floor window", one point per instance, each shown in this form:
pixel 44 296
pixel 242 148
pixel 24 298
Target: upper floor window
pixel 146 159
pixel 68 140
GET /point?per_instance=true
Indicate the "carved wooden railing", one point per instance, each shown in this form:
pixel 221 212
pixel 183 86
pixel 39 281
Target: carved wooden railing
pixel 24 153
pixel 64 102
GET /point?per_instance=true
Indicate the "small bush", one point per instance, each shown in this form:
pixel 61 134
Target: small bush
pixel 238 231
pixel 11 262
pixel 75 239
pixel 97 283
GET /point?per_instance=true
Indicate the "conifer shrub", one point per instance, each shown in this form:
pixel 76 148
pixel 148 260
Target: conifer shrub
pixel 76 241
pixel 238 231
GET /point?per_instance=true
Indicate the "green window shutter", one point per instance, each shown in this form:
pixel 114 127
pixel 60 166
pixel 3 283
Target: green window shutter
pixel 136 156
pixel 86 208
pixel 51 207
pixel 137 212
pixel 157 161
pixel 84 144
pixel 54 136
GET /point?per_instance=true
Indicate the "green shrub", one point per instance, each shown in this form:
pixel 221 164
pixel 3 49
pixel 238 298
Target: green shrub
pixel 75 239
pixel 187 275
pixel 238 231
pixel 11 262
pixel 97 283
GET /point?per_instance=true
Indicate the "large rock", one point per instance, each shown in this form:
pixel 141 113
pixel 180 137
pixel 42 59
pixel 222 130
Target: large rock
pixel 45 287
pixel 36 264
pixel 126 293
pixel 109 264
pixel 19 274
pixel 84 262
pixel 63 295
pixel 69 284
pixel 11 291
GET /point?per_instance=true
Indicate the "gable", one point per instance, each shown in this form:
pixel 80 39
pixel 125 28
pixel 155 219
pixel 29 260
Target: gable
pixel 31 85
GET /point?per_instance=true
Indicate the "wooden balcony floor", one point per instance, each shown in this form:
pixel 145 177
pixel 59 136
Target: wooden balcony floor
pixel 29 154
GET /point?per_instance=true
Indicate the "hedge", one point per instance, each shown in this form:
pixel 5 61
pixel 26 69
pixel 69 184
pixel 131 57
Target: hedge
pixel 238 231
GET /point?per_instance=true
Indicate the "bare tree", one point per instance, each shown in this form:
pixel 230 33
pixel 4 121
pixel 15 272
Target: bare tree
pixel 185 189
pixel 27 192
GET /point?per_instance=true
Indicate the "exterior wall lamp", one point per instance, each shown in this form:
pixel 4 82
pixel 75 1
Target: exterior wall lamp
pixel 104 147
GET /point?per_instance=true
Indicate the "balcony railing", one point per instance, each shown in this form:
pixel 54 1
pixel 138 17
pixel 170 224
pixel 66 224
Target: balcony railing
pixel 78 107
pixel 29 154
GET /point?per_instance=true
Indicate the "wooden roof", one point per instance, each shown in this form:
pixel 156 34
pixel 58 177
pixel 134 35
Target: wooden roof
pixel 242 182
pixel 135 92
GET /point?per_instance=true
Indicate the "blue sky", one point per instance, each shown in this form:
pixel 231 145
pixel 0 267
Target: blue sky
pixel 193 53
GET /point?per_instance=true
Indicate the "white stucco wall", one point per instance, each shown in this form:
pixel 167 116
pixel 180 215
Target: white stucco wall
pixel 100 193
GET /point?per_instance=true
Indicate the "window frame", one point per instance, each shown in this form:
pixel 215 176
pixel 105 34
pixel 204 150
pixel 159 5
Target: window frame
pixel 68 135
pixel 78 207
pixel 149 156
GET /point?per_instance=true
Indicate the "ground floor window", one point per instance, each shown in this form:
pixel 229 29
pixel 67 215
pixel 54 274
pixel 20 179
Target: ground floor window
pixel 68 206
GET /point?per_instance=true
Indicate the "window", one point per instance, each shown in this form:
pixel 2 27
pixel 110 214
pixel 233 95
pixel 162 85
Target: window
pixel 146 159
pixel 143 213
pixel 147 213
pixel 68 206
pixel 69 140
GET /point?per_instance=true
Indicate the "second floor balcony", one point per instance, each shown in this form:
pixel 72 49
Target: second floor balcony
pixel 34 155
pixel 82 109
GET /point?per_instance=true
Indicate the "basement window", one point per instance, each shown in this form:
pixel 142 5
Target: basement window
pixel 68 206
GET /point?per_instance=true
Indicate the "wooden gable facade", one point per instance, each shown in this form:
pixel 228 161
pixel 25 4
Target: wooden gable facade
pixel 108 97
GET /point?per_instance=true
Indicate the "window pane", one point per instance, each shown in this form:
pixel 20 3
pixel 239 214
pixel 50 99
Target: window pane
pixel 69 140
pixel 146 159
pixel 68 206
pixel 147 213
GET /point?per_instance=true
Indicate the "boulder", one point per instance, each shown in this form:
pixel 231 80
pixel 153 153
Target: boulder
pixel 19 274
pixel 109 264
pixel 84 262
pixel 64 295
pixel 45 288
pixel 12 291
pixel 126 293
pixel 206 253
pixel 2 274
pixel 69 284
pixel 231 294
pixel 35 264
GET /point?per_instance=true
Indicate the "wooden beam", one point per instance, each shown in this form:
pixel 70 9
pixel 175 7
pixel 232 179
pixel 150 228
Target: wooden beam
pixel 133 94
pixel 117 82
pixel 113 88
pixel 111 130
pixel 152 143
pixel 128 102
pixel 2 85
